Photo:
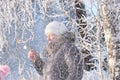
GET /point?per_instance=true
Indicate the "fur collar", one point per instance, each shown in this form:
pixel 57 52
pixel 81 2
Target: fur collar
pixel 55 45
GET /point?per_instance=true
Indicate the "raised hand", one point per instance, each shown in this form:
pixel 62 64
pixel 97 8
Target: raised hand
pixel 32 55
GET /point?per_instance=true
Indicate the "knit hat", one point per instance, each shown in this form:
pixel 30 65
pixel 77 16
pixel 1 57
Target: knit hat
pixel 56 28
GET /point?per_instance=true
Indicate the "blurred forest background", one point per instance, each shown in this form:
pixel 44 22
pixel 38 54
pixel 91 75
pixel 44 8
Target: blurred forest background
pixel 96 24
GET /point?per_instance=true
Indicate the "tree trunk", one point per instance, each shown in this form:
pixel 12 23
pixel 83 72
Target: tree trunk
pixel 110 14
pixel 81 26
pixel 81 14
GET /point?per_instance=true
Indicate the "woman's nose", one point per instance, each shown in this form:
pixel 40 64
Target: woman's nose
pixel 48 38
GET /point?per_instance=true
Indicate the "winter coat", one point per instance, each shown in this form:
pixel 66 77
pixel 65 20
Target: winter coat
pixel 63 60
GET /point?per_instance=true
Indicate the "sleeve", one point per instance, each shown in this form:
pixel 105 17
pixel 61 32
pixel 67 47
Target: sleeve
pixel 38 65
pixel 74 63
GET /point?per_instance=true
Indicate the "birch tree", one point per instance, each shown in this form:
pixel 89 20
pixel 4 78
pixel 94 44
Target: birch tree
pixel 111 23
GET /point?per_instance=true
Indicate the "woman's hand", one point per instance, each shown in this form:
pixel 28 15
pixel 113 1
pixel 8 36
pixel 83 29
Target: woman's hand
pixel 32 55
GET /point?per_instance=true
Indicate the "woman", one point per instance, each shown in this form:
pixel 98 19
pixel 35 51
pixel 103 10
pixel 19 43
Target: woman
pixel 63 60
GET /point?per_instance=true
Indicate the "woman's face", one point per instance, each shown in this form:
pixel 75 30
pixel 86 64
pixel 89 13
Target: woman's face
pixel 50 37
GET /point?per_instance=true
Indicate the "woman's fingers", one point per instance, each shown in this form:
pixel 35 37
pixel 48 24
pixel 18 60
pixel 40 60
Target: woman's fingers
pixel 32 54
